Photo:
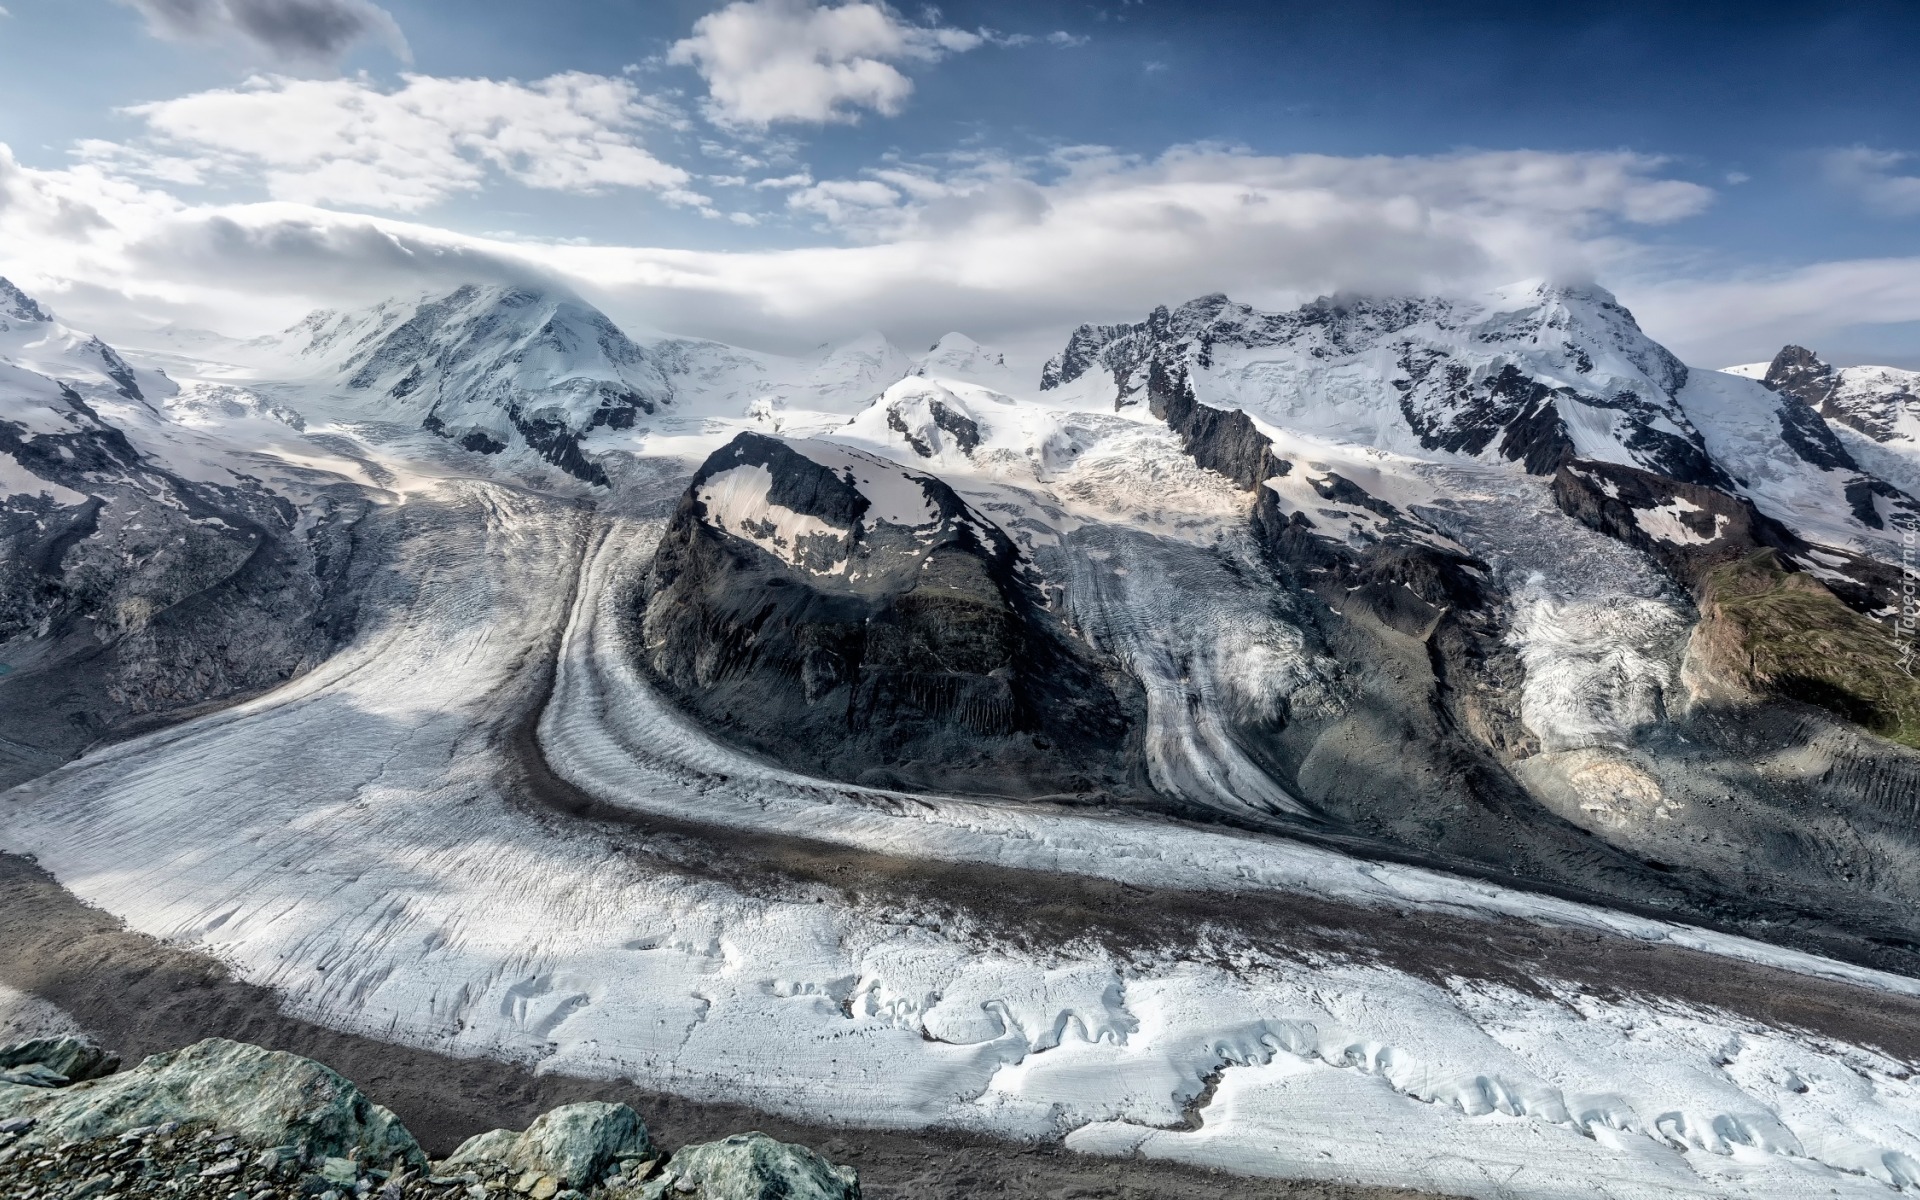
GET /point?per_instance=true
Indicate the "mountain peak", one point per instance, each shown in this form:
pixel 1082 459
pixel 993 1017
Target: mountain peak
pixel 957 356
pixel 493 366
pixel 1798 372
pixel 19 306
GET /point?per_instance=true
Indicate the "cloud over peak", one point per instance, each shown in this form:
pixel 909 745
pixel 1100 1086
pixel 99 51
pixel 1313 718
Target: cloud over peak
pixel 796 60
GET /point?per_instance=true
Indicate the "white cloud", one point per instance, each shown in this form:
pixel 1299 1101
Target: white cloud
pixel 294 31
pixel 1001 249
pixel 1747 317
pixel 844 201
pixel 1870 175
pixel 796 60
pixel 349 142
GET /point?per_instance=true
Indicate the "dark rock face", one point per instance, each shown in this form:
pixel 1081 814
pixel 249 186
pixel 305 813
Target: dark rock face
pixel 135 594
pixel 1690 529
pixel 1807 435
pixel 1798 372
pixel 1224 441
pixel 858 620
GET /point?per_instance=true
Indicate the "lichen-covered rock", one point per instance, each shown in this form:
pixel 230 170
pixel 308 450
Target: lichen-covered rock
pixel 263 1096
pixel 73 1058
pixel 576 1145
pixel 752 1166
pixel 34 1075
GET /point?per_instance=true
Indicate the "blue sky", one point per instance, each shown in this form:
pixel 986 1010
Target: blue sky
pixel 1737 172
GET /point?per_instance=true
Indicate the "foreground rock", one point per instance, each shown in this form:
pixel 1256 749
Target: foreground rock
pixel 752 1166
pixel 577 1146
pixel 226 1119
pixel 55 1061
pixel 261 1097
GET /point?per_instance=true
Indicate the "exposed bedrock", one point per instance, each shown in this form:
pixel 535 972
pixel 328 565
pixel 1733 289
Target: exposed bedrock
pixel 1779 618
pixel 1746 796
pixel 138 595
pixel 854 619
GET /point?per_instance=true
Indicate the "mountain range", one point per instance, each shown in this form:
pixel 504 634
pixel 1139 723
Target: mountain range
pixel 1492 597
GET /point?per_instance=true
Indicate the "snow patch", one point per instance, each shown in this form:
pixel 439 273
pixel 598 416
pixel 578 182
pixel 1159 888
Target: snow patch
pixel 1663 522
pixel 737 502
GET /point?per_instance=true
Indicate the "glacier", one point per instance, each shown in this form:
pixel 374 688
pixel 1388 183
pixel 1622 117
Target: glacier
pixel 476 826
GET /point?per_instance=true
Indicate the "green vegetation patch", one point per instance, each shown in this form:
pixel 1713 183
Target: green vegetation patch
pixel 1784 633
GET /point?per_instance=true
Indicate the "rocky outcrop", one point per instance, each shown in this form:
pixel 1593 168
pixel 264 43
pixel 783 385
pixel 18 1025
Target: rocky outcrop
pixel 263 1097
pixel 1802 374
pixel 55 1061
pixel 752 1166
pixel 577 1146
pixel 220 1119
pixel 859 620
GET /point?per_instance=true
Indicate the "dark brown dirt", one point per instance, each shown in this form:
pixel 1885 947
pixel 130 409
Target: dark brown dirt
pixel 141 996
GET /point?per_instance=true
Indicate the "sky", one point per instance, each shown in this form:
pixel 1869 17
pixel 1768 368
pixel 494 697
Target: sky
pixel 778 173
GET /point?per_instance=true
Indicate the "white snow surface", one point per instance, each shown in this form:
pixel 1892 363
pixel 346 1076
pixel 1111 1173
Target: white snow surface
pixel 354 839
pixel 372 869
pixel 1740 421
pixel 736 501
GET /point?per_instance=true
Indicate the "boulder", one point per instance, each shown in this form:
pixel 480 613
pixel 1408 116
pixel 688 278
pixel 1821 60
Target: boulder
pixel 576 1145
pixel 73 1058
pixel 264 1096
pixel 752 1166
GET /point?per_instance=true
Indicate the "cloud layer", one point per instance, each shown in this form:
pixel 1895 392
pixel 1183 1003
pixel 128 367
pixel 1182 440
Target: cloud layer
pixel 766 61
pixel 1001 249
pixel 292 31
pixel 1874 176
pixel 351 142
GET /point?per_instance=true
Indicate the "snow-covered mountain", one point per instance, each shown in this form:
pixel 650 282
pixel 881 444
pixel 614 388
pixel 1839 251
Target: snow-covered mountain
pixel 1431 741
pixel 1875 411
pixel 1881 402
pixel 491 367
pixel 137 577
pixel 1535 374
pixel 32 339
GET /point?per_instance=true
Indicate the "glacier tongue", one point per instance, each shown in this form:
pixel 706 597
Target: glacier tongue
pixel 1211 651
